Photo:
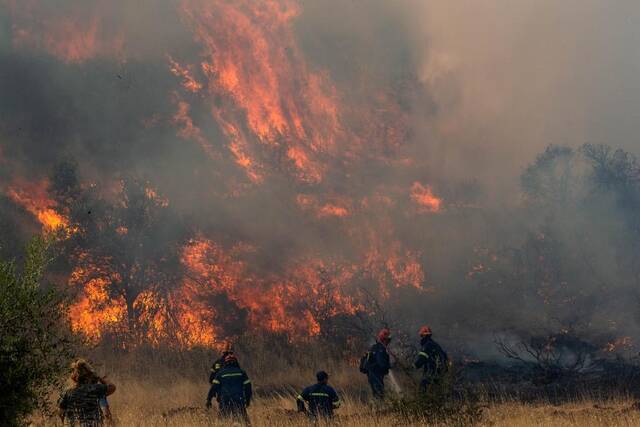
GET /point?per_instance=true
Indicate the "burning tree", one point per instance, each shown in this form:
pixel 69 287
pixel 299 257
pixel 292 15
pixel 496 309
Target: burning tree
pixel 122 246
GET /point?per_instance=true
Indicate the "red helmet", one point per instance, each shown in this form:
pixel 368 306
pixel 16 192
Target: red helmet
pixel 384 336
pixel 230 358
pixel 424 331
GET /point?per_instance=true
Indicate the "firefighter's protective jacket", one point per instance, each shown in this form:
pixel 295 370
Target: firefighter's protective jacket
pixel 217 365
pixel 322 400
pixel 231 384
pixel 432 358
pixel 379 363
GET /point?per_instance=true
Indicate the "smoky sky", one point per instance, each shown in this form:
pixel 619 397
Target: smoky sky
pixel 512 77
pixel 498 81
pixel 478 88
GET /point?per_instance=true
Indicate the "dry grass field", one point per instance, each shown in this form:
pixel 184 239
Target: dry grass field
pixel 156 388
pixel 144 405
pixel 180 402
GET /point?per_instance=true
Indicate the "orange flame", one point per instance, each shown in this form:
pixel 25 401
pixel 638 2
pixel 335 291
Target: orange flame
pixel 269 104
pixel 302 294
pixel 254 63
pixel 95 312
pixel 72 39
pixel 34 198
pixel 423 196
pixel 337 207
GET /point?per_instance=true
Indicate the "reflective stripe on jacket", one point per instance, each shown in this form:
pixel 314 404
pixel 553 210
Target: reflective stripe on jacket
pixel 431 358
pixel 231 384
pixel 322 399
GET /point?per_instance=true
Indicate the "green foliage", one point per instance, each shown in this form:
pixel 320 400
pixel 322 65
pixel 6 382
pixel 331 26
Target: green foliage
pixel 34 348
pixel 443 402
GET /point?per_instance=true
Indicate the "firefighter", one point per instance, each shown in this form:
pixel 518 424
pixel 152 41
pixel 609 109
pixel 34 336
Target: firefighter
pixel 217 364
pixel 321 397
pixel 432 359
pixel 232 389
pixel 80 405
pixel 378 363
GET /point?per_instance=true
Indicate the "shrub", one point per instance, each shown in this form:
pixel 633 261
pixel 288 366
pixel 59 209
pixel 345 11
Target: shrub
pixel 34 348
pixel 445 401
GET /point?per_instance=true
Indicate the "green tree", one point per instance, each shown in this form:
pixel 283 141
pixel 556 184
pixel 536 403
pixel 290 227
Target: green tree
pixel 34 339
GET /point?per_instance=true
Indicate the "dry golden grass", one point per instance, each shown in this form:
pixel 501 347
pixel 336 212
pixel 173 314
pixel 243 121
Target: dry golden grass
pixel 584 413
pixel 156 389
pixel 180 402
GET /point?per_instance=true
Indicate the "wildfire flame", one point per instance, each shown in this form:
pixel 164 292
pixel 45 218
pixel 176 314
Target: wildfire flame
pixel 336 207
pixel 73 39
pixel 34 198
pixel 425 199
pixel 268 103
pixel 251 61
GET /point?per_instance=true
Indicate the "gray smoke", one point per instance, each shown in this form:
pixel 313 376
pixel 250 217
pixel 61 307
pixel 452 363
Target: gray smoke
pixel 484 87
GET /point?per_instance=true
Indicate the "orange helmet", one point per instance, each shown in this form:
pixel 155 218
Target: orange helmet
pixel 384 336
pixel 424 331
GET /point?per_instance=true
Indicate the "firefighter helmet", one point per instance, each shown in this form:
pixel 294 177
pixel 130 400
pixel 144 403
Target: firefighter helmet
pixel 384 336
pixel 230 358
pixel 425 331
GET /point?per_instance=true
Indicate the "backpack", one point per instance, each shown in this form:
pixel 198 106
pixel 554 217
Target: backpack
pixel 364 363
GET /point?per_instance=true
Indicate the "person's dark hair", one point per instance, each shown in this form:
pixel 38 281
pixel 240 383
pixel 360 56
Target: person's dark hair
pixel 322 376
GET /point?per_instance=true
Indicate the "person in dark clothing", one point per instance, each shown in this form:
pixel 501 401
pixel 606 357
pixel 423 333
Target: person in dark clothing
pixel 232 389
pixel 80 404
pixel 378 363
pixel 217 364
pixel 432 359
pixel 321 398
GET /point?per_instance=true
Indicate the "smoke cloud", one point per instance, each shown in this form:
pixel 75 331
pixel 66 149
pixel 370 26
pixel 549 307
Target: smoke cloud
pixel 389 137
